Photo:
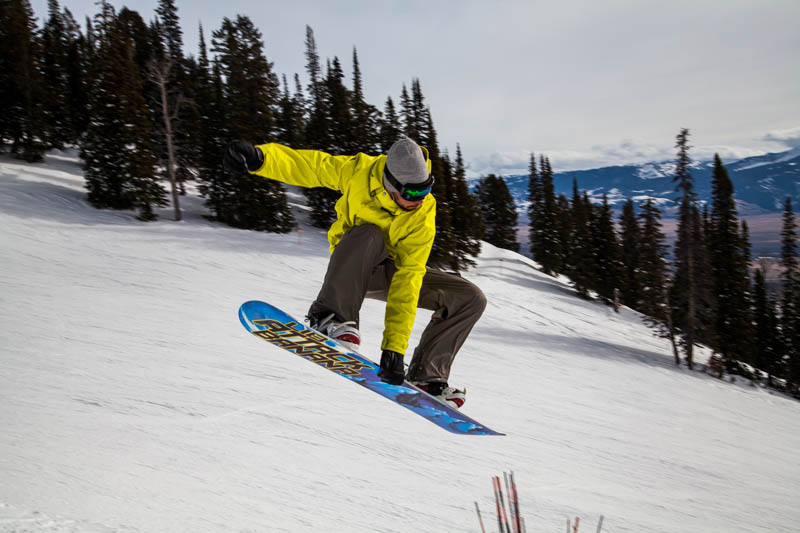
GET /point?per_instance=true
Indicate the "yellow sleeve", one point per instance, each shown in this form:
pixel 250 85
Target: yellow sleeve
pixel 306 168
pixel 401 303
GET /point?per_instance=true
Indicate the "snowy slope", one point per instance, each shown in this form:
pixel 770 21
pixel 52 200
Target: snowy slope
pixel 131 399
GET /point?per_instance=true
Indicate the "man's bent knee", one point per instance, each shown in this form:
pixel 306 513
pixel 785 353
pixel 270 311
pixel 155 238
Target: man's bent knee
pixel 478 300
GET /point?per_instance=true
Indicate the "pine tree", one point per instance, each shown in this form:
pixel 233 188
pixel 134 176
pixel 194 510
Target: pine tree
pixel 251 93
pixel 767 340
pixel 690 297
pixel 746 246
pixel 365 116
pixel 444 250
pixel 563 231
pixel 607 262
pixel 340 119
pixel 654 302
pixel 171 33
pixel 547 247
pixel 580 254
pixel 499 213
pixel 318 133
pixel 389 126
pixel 535 207
pixel 212 134
pixel 144 48
pixel 77 78
pixel 790 298
pixel 419 113
pixel 731 283
pixel 290 119
pixel 313 68
pixel 63 70
pixel 317 127
pixel 21 84
pixel 652 262
pixel 117 149
pixel 406 114
pixel 54 69
pixel 466 218
pixel 631 247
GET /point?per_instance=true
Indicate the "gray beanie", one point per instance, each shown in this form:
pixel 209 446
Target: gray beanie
pixel 406 161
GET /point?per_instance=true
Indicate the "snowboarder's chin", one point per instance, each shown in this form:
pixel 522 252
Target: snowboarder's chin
pixel 404 204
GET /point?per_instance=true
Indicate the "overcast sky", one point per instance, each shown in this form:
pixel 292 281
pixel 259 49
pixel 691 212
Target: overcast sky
pixel 587 83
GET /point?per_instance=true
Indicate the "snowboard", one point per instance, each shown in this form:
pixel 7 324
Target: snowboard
pixel 278 328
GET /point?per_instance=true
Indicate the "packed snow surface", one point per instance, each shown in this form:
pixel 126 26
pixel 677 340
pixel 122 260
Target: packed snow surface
pixel 131 399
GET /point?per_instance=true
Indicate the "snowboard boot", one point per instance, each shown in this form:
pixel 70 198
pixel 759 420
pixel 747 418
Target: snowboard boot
pixel 443 392
pixel 345 333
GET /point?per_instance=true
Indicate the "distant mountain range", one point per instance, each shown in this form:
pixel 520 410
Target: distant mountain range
pixel 761 184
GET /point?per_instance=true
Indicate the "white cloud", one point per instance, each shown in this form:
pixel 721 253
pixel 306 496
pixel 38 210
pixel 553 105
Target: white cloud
pixel 789 137
pixel 516 162
pixel 627 152
pixel 506 162
pixel 726 153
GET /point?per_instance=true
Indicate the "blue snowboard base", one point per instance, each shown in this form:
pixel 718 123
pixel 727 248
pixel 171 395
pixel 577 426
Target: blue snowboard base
pixel 280 329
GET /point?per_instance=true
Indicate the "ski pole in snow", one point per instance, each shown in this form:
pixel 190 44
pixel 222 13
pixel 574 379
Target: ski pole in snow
pixel 497 504
pixel 600 524
pixel 515 497
pixel 502 520
pixel 510 502
pixel 478 510
pixel 503 506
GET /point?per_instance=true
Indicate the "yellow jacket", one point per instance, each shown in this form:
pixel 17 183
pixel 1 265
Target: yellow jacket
pixel 408 234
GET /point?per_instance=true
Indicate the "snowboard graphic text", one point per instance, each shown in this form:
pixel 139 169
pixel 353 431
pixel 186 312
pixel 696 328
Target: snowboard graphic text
pixel 308 344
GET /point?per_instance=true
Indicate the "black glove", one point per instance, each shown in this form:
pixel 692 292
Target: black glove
pixel 392 370
pixel 241 156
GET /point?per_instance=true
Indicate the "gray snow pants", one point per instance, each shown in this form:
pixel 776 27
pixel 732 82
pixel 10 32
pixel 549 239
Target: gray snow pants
pixel 360 268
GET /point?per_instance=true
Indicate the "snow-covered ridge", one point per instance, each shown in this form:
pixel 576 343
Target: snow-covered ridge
pixel 655 180
pixel 132 400
pixel 769 159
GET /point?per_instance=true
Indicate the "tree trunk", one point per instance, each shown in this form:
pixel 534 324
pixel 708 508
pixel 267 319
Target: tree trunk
pixel 159 73
pixel 170 150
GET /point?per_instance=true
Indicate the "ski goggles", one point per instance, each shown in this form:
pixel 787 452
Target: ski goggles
pixel 413 192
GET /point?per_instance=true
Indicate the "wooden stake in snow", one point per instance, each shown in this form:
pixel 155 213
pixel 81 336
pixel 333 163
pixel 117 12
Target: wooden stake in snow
pixel 478 510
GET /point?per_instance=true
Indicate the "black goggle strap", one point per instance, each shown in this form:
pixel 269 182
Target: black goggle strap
pixel 410 191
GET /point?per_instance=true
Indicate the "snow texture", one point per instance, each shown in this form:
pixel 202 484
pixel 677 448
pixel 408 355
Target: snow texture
pixel 132 400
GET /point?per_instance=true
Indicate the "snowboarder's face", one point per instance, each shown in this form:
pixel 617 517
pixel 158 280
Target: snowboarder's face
pixel 406 205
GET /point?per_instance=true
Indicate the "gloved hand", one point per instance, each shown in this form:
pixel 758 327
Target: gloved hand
pixel 392 370
pixel 241 156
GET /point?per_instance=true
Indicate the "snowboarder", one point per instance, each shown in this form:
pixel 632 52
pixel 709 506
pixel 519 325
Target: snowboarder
pixel 380 245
